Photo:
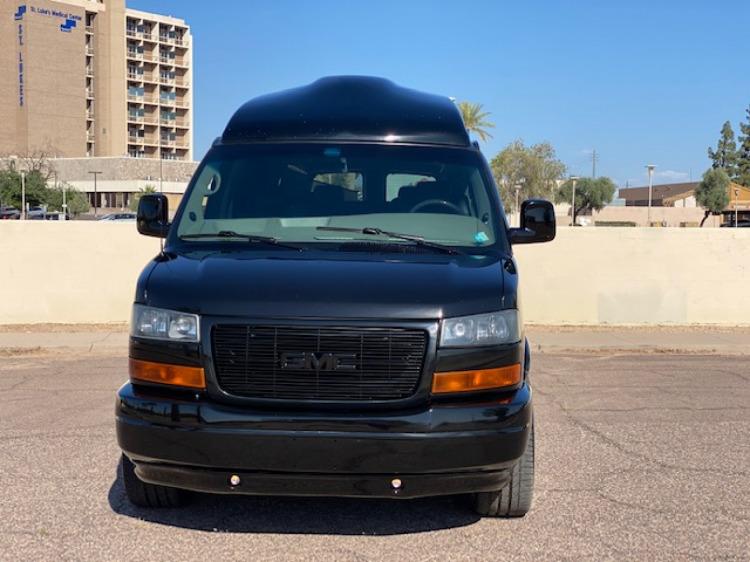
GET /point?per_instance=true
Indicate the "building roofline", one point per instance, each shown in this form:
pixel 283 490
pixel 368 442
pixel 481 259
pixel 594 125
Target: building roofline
pixel 157 17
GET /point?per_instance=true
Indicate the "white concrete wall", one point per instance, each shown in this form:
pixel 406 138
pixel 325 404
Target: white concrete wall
pixel 638 276
pixel 673 216
pixel 85 272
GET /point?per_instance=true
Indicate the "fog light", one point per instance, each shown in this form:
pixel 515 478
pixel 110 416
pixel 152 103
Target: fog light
pixel 396 483
pixel 234 480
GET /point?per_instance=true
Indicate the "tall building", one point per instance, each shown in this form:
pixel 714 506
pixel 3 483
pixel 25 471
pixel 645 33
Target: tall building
pixel 94 78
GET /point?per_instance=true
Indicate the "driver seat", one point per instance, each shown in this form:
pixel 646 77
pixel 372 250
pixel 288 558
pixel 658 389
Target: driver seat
pixel 411 195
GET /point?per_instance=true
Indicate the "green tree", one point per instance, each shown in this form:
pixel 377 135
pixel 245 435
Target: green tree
pixel 76 201
pixel 713 192
pixel 743 154
pixel 476 119
pixel 725 155
pixel 137 197
pixel 591 194
pixel 11 188
pixel 533 170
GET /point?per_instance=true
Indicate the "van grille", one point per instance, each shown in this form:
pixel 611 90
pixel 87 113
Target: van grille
pixel 327 363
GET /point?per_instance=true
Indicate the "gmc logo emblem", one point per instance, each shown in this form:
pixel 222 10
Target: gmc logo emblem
pixel 311 361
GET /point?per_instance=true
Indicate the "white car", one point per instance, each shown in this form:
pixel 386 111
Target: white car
pixel 119 217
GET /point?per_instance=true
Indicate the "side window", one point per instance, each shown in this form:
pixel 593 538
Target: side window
pixel 394 183
pixel 349 185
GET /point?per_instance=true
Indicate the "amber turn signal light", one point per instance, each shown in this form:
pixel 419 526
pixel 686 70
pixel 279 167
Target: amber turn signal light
pixel 164 373
pixel 480 379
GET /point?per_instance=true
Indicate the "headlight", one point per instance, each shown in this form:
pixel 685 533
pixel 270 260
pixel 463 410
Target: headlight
pixel 481 329
pixel 148 322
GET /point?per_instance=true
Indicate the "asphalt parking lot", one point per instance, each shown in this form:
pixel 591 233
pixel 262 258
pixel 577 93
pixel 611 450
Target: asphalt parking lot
pixel 639 457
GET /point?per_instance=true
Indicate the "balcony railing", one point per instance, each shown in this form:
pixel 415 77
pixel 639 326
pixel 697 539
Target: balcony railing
pixel 135 76
pixel 135 55
pixel 89 93
pixel 89 71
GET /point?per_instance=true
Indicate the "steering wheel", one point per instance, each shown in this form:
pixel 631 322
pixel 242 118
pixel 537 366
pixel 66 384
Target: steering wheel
pixel 437 203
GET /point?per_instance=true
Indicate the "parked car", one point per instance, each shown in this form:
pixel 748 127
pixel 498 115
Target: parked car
pixel 36 213
pixel 57 216
pixel 119 217
pixel 335 311
pixel 9 213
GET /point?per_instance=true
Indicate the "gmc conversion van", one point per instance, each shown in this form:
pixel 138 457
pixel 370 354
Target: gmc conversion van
pixel 335 312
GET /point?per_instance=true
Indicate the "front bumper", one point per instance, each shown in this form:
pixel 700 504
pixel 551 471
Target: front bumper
pixel 198 444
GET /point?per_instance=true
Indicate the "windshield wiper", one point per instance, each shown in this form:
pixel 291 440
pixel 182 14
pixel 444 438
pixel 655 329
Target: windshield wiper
pixel 374 231
pixel 254 238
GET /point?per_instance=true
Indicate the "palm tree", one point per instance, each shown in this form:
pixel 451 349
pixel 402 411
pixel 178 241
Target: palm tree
pixel 475 120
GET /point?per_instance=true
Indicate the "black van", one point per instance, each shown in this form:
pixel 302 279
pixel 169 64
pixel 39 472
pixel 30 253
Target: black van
pixel 335 311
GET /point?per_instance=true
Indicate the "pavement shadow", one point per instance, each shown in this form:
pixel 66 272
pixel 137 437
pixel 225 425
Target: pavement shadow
pixel 284 515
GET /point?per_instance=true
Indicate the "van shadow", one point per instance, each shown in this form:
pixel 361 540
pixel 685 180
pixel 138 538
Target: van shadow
pixel 285 515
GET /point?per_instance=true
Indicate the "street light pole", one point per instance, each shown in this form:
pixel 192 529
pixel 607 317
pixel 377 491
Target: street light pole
pixel 23 195
pixel 650 168
pixel 574 179
pixel 518 205
pixel 95 174
pixel 64 200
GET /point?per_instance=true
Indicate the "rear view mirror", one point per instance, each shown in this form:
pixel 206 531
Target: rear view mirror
pixel 537 223
pixel 153 215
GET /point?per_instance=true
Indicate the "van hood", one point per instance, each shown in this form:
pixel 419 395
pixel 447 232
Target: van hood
pixel 324 284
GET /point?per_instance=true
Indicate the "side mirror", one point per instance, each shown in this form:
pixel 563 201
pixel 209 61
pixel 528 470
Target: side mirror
pixel 537 223
pixel 153 215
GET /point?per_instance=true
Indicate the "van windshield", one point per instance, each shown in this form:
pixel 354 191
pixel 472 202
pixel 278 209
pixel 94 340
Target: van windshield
pixel 320 193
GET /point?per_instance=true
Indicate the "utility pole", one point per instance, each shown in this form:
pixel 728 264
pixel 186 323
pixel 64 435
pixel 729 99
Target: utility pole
pixel 96 197
pixel 574 179
pixel 650 168
pixel 64 200
pixel 594 158
pixel 23 195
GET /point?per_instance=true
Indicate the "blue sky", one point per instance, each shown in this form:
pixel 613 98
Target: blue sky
pixel 638 81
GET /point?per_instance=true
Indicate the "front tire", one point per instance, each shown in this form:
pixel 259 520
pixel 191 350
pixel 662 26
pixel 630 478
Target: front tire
pixel 515 499
pixel 143 494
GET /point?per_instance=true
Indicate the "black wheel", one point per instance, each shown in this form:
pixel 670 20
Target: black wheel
pixel 515 499
pixel 148 495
